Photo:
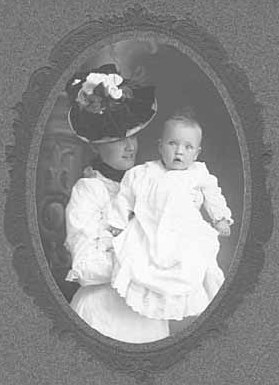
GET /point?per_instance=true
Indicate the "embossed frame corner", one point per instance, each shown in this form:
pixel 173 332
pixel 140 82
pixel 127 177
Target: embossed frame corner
pixel 144 360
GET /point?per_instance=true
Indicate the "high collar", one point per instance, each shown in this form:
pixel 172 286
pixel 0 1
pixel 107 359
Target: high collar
pixel 108 171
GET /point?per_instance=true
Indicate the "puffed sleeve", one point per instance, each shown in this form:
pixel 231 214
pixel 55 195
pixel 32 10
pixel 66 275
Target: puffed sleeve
pixel 214 201
pixel 123 204
pixel 86 239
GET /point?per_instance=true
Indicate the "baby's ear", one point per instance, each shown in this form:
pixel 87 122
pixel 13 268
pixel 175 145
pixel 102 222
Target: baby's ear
pixel 199 150
pixel 159 143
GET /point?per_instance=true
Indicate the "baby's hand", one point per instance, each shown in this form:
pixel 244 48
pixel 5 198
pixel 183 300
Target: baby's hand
pixel 223 228
pixel 114 230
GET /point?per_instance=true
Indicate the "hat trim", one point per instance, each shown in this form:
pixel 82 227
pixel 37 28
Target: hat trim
pixel 130 132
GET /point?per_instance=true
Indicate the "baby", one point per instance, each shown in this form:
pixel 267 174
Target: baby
pixel 166 256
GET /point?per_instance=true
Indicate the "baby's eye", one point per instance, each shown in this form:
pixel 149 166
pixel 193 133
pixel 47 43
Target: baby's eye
pixel 189 147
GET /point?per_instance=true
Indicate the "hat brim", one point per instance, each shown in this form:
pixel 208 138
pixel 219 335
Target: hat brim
pixel 130 132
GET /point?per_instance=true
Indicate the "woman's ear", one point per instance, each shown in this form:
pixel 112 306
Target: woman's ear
pixel 95 149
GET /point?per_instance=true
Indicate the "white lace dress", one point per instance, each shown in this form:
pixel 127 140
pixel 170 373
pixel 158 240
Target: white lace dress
pixel 166 257
pixel 96 302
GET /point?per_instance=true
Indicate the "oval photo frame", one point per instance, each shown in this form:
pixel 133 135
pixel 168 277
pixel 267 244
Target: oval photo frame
pixel 143 360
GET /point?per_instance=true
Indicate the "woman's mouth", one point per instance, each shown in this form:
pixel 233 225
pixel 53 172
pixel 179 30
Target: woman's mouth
pixel 129 157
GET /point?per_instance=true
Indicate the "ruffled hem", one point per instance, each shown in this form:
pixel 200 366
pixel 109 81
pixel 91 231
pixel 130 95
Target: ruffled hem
pixel 160 305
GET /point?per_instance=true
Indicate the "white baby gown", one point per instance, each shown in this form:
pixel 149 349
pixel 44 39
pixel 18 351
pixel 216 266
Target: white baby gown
pixel 90 245
pixel 166 257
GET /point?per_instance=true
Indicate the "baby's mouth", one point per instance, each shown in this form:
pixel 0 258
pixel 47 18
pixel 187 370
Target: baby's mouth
pixel 178 160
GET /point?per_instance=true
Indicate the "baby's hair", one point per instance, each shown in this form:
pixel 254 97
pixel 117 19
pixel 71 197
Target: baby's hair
pixel 186 115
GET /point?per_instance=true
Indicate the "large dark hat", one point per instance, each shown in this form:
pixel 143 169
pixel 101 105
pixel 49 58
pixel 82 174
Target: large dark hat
pixel 105 107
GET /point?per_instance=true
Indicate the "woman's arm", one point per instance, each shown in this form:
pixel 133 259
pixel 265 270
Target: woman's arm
pixel 86 239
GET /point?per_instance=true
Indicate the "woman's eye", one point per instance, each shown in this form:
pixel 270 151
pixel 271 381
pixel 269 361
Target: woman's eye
pixel 172 143
pixel 189 147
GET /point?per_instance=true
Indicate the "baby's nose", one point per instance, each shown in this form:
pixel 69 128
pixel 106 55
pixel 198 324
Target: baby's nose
pixel 179 149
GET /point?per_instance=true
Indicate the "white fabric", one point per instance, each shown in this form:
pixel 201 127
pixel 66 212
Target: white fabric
pixel 90 245
pixel 166 258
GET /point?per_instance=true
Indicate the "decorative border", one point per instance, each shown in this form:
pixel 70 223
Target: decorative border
pixel 145 360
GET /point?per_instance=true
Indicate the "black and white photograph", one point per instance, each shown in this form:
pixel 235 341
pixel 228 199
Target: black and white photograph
pixel 139 191
pixel 139 179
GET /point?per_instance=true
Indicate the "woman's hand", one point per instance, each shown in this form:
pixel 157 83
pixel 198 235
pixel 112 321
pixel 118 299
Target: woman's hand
pixel 223 228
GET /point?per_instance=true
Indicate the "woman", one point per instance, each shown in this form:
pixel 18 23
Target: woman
pixel 107 111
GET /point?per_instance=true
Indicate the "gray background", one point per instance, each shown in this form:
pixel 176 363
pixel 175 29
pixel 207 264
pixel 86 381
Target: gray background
pixel 248 352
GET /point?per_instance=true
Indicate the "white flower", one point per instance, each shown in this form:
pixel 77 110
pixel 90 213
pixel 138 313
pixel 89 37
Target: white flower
pixel 114 79
pixel 110 83
pixel 115 93
pixel 92 81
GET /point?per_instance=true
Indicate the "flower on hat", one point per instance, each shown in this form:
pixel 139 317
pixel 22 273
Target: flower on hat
pixel 98 86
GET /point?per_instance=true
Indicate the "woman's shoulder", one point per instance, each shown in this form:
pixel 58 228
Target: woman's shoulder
pixel 87 192
pixel 89 185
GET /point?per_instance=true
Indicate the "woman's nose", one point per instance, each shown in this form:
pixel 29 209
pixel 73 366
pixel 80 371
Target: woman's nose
pixel 130 144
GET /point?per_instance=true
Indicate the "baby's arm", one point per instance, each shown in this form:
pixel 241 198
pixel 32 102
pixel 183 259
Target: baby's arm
pixel 122 205
pixel 215 204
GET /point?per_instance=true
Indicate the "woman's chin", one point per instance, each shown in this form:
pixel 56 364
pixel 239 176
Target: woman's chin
pixel 126 164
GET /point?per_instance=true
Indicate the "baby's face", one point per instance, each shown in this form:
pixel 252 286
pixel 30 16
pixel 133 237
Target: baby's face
pixel 180 144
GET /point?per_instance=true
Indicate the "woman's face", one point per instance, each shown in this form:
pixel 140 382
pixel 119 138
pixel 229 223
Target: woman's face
pixel 120 154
